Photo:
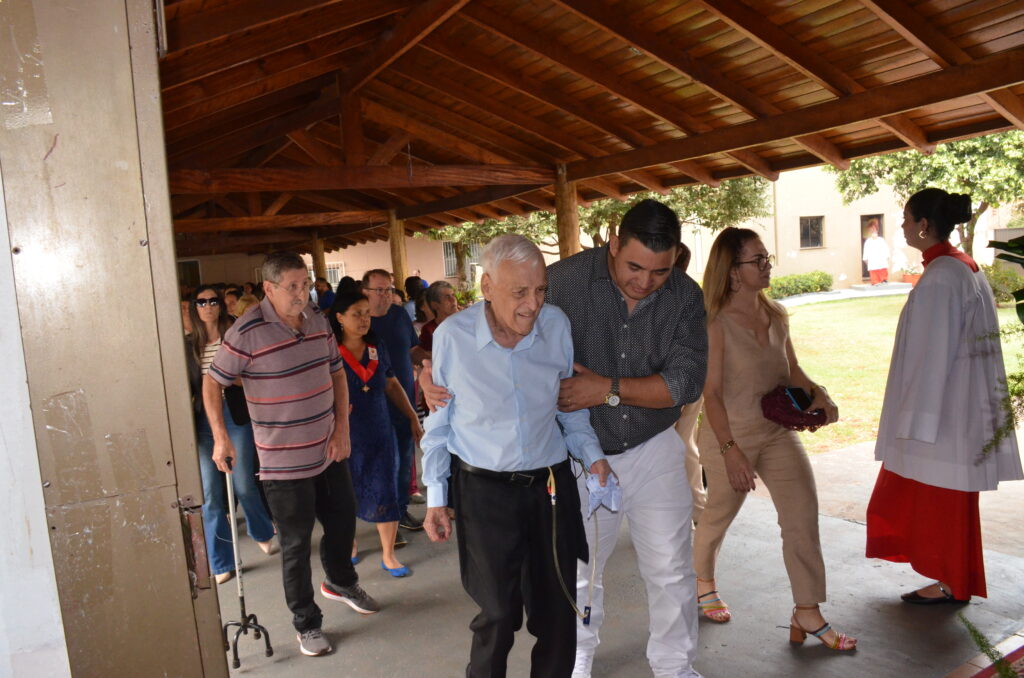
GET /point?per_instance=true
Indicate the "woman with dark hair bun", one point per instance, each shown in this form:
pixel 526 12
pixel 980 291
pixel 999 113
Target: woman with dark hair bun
pixel 943 403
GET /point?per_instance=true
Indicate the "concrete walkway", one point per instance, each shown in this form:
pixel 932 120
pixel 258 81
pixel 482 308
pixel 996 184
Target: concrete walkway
pixel 422 632
pixel 854 292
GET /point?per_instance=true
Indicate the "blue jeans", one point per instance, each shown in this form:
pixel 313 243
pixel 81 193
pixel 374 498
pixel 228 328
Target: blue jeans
pixel 215 503
pixel 406 450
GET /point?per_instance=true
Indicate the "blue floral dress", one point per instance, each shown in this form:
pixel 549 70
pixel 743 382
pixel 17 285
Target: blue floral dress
pixel 374 460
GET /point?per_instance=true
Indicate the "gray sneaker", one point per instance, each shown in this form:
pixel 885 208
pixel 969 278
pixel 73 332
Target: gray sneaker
pixel 354 596
pixel 314 643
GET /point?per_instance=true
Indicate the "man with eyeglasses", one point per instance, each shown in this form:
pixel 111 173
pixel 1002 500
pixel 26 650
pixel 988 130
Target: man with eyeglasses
pixel 392 326
pixel 287 358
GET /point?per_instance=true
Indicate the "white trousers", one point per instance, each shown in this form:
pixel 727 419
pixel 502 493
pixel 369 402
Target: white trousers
pixel 657 501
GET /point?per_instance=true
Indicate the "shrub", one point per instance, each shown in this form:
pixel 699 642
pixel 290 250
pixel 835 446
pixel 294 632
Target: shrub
pixel 1004 281
pixel 800 283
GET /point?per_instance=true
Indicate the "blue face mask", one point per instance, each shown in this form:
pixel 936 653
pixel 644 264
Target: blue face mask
pixel 610 495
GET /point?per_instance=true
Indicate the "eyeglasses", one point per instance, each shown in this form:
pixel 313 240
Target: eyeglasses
pixel 761 260
pixel 294 288
pixel 211 301
pixel 380 290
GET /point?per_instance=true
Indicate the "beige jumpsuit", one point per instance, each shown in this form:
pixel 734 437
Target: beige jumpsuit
pixel 750 370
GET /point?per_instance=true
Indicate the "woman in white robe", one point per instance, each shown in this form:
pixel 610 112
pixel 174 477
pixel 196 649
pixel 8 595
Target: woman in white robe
pixel 943 403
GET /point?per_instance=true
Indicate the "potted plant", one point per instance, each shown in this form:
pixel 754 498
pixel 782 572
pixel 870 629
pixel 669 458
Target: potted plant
pixel 911 274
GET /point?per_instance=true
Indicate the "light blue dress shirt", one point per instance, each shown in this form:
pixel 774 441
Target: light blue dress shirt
pixel 503 414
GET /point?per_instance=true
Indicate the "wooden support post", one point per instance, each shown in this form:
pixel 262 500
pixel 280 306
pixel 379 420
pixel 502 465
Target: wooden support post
pixel 319 264
pixel 566 215
pixel 396 237
pixel 352 130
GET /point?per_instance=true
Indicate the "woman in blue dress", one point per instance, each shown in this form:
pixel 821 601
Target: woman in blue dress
pixel 371 383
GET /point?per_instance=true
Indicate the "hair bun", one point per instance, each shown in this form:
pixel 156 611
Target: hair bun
pixel 958 208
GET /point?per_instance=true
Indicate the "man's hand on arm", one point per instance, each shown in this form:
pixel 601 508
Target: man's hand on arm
pixel 339 446
pixel 584 389
pixel 434 396
pixel 437 524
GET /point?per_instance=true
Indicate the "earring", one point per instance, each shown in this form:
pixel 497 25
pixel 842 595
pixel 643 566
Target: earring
pixel 922 234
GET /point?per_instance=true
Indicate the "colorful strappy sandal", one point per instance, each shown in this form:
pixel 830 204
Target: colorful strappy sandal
pixel 840 641
pixel 715 608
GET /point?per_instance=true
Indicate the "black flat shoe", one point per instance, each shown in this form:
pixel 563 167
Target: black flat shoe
pixel 915 598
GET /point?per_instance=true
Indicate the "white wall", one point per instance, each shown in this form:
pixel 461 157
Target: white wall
pixel 227 268
pixel 32 640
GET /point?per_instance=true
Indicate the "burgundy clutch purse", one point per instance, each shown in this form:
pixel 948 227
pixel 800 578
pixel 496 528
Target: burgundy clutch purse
pixel 778 406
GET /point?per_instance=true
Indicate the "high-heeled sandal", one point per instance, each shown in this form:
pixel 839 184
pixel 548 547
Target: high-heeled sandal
pixel 798 633
pixel 714 609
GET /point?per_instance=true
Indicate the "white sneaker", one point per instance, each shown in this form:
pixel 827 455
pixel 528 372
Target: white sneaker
pixel 584 664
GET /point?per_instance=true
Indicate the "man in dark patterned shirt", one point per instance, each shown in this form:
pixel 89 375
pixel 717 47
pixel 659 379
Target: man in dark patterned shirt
pixel 641 350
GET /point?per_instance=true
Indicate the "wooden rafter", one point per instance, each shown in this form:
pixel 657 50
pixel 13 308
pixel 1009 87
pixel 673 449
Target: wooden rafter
pixel 1000 70
pixel 246 223
pixel 918 31
pixel 692 67
pixel 347 177
pixel 413 27
pixel 799 56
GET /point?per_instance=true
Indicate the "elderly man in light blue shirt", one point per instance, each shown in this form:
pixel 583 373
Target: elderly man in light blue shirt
pixel 503 446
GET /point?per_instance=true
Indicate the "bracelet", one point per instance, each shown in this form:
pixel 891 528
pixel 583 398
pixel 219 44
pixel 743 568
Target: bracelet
pixel 731 443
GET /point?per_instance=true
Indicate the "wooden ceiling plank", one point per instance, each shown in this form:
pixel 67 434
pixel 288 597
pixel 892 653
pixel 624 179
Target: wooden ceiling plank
pixel 191 64
pixel 464 125
pixel 273 71
pixel 199 27
pixel 411 29
pixel 190 181
pixel 248 139
pixel 222 224
pixel 431 134
pixel 677 59
pixel 386 152
pixel 928 38
pixel 765 33
pixel 352 127
pixel 695 170
pixel 316 150
pixel 996 71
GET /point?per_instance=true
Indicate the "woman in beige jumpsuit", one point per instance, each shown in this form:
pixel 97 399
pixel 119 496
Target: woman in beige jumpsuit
pixel 750 354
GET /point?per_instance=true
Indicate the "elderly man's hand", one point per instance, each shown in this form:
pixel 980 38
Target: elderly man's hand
pixel 603 469
pixel 434 396
pixel 224 454
pixel 437 524
pixel 339 447
pixel 585 389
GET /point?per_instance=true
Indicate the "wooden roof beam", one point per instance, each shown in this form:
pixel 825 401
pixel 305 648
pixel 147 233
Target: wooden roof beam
pixel 342 177
pixel 196 23
pixel 464 200
pixel 411 29
pixel 997 71
pixel 765 33
pixel 221 53
pixel 431 134
pixel 270 72
pixel 319 152
pixel 540 129
pixel 278 204
pixel 244 223
pixel 919 32
pixel 673 57
pixel 390 148
pixel 253 137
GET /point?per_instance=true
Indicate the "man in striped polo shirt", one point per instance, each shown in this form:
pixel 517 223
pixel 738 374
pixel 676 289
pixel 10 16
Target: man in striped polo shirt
pixel 288 361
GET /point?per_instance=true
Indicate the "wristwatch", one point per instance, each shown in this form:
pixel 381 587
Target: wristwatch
pixel 613 399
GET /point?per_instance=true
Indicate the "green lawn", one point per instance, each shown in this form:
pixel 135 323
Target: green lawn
pixel 846 346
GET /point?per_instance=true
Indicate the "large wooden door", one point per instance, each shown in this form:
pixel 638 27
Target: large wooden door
pixel 85 197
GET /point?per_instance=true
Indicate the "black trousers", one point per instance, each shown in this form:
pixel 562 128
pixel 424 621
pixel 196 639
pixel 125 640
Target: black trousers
pixel 506 561
pixel 327 497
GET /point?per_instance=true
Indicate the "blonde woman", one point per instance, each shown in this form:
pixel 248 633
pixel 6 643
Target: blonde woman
pixel 750 354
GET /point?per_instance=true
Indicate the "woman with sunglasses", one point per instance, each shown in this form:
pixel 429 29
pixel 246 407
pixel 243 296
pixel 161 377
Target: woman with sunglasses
pixel 750 354
pixel 210 320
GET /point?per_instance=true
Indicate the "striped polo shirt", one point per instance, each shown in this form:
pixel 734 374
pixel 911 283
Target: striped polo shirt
pixel 288 385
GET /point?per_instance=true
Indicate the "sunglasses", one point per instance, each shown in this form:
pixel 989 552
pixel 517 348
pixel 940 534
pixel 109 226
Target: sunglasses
pixel 202 303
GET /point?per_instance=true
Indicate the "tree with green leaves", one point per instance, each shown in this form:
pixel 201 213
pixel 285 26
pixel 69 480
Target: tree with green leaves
pixel 990 169
pixel 699 206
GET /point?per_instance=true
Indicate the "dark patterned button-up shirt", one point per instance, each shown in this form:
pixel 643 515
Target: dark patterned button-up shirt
pixel 665 335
